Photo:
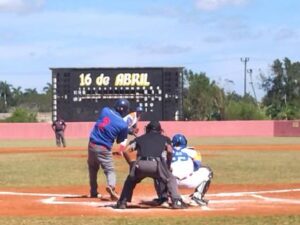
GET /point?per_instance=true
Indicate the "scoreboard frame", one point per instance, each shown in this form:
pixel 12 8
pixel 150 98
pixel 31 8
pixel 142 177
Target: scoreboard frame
pixel 80 93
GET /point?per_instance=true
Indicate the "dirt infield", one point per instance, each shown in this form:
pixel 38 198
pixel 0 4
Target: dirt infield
pixel 223 200
pixel 275 199
pixel 265 147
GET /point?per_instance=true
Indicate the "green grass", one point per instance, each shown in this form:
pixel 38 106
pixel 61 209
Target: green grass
pixel 192 141
pixel 59 168
pixel 42 169
pixel 259 167
pixel 242 140
pixel 230 167
pixel 41 143
pixel 127 220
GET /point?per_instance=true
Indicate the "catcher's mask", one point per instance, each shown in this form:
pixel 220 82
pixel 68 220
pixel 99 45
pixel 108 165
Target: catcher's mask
pixel 153 126
pixel 179 140
pixel 139 110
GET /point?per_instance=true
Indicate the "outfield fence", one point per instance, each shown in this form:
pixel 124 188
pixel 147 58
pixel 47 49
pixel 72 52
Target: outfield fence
pixel 265 128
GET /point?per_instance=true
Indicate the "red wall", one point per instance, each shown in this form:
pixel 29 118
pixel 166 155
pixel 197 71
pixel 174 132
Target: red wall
pixel 42 130
pixel 286 128
pixel 218 128
pixel 189 128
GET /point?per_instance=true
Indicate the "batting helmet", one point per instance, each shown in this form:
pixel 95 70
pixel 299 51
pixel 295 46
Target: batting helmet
pixel 122 106
pixel 179 140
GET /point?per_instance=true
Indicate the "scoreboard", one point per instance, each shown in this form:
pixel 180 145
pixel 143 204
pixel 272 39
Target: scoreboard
pixel 79 94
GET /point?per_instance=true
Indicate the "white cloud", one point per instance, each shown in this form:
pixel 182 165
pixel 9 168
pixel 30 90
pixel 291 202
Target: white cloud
pixel 169 49
pixel 216 4
pixel 20 6
pixel 285 34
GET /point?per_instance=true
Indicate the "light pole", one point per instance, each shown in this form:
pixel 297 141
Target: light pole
pixel 251 82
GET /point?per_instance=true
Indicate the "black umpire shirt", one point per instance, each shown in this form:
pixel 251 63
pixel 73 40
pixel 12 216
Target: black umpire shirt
pixel 151 144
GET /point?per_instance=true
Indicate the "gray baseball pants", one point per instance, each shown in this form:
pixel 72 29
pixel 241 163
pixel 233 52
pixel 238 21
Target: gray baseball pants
pixel 100 157
pixel 60 138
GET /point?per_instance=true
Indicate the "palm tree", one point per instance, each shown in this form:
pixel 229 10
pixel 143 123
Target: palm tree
pixel 16 92
pixel 30 91
pixel 5 92
pixel 48 88
pixel 16 95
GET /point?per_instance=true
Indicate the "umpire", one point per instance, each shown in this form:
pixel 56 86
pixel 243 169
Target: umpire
pixel 59 126
pixel 150 163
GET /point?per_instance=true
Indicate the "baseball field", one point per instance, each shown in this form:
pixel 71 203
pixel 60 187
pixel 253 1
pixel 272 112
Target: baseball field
pixel 256 181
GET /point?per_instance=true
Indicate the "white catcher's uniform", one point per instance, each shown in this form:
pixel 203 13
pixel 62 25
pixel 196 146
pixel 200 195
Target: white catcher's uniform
pixel 186 167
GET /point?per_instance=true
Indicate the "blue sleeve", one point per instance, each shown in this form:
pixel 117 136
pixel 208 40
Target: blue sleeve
pixel 123 135
pixel 197 164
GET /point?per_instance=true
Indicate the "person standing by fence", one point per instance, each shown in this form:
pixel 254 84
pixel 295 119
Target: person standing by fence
pixel 59 127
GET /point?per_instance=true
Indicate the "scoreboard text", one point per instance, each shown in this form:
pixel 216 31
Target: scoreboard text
pixel 80 93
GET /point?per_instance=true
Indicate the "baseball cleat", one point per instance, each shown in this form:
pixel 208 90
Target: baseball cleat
pixel 120 205
pixel 113 194
pixel 161 202
pixel 95 196
pixel 178 204
pixel 193 203
pixel 198 202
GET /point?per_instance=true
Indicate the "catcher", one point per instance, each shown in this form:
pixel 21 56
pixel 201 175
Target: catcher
pixel 187 167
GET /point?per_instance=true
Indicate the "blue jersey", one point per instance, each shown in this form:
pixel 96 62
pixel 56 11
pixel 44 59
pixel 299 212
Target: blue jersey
pixel 108 127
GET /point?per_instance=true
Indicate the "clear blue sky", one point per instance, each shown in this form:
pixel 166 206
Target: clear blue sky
pixel 207 36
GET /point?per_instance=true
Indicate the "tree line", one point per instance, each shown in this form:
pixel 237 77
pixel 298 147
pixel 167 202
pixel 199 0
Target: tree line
pixel 203 99
pixel 24 105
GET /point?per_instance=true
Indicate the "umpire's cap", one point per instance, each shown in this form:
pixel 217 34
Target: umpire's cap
pixel 154 125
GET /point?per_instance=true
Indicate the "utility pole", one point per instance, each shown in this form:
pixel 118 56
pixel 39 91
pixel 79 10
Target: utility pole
pixel 251 82
pixel 245 60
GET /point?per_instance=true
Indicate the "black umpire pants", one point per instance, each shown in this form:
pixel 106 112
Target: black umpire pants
pixel 153 168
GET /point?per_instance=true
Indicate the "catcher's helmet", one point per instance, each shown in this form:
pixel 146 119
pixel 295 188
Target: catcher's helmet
pixel 122 106
pixel 139 109
pixel 179 140
pixel 153 126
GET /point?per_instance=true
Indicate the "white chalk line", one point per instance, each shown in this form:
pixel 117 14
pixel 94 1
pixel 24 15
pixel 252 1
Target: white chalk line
pixel 108 205
pixel 225 194
pixel 38 194
pixel 269 199
pixel 54 201
pixel 240 194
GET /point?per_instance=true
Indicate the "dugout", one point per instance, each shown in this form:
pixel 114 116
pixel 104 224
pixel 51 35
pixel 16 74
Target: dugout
pixel 80 93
